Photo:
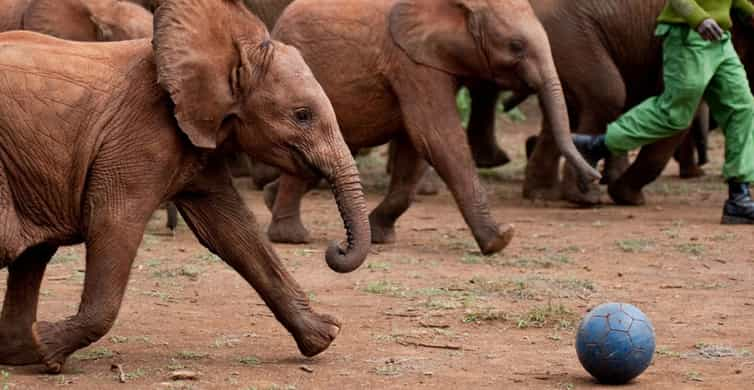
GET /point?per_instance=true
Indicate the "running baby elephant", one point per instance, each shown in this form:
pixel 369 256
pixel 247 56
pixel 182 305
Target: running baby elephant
pixel 392 69
pixel 96 136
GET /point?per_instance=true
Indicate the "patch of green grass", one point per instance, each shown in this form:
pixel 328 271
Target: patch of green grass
pixel 666 352
pixel 191 355
pixel 136 374
pixel 635 245
pixel 533 287
pixel 226 341
pixel 208 258
pixel 485 315
pixel 388 369
pixel 557 316
pixel 378 266
pixel 304 252
pixel 175 365
pixel 693 249
pixel 694 376
pixel 384 287
pixel 93 354
pixel 728 236
pixel 250 361
pixel 153 263
pixel 118 339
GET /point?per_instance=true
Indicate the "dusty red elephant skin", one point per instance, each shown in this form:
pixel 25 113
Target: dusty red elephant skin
pixel 95 136
pixel 397 79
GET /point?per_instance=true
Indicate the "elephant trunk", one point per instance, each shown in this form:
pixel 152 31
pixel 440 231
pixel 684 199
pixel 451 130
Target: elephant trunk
pixel 553 104
pixel 346 187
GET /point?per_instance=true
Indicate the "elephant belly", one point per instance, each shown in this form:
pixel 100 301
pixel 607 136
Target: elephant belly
pixel 11 241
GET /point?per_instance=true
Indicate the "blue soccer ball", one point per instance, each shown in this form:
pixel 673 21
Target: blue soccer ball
pixel 615 342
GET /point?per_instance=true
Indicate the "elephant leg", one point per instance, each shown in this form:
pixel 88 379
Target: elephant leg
pixel 599 98
pixel 110 250
pixel 263 174
pixel 436 132
pixel 223 224
pixel 615 167
pixel 700 132
pixel 649 164
pixel 172 216
pixel 408 168
pixel 685 154
pixel 541 175
pixel 286 225
pixel 25 274
pixel 481 128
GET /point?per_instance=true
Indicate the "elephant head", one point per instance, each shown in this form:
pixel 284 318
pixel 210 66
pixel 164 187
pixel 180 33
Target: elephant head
pixel 232 85
pixel 496 40
pixel 88 20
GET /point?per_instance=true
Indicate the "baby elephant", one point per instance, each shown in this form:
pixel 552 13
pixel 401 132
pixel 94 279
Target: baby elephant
pixel 392 69
pixel 96 136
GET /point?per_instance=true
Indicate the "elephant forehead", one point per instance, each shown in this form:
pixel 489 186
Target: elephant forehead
pixel 504 9
pixel 288 65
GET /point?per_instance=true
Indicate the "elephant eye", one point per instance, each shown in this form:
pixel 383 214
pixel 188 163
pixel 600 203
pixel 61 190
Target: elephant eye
pixel 303 116
pixel 518 48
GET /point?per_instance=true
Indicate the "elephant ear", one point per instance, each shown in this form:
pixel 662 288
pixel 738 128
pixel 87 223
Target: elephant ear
pixel 65 19
pixel 200 47
pixel 442 34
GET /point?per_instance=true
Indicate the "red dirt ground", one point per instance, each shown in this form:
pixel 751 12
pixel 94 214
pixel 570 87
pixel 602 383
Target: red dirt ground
pixel 505 321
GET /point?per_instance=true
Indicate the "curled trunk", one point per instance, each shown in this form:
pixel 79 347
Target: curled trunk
pixel 553 103
pixel 346 187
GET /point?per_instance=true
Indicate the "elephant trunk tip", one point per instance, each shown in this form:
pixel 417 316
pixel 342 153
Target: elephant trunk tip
pixel 343 261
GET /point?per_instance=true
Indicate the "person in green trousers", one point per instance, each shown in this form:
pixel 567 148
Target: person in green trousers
pixel 699 62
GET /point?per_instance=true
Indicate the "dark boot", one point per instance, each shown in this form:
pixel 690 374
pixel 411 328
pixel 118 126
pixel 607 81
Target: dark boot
pixel 739 208
pixel 592 147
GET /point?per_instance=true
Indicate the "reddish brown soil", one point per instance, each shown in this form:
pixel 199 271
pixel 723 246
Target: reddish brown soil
pixel 500 322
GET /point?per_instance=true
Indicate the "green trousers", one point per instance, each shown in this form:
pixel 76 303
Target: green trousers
pixel 694 69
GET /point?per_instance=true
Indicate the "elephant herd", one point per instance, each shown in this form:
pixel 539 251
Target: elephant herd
pixel 95 137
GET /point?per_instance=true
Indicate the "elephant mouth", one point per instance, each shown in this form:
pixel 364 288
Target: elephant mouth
pixel 306 170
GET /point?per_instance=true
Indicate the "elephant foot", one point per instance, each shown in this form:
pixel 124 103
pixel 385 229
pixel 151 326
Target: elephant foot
pixel 490 157
pixel 50 343
pixel 316 333
pixel 382 233
pixel 691 172
pixel 270 193
pixel 496 241
pixel 586 199
pixel 541 192
pixel 17 346
pixel 624 195
pixel 573 194
pixel 288 230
